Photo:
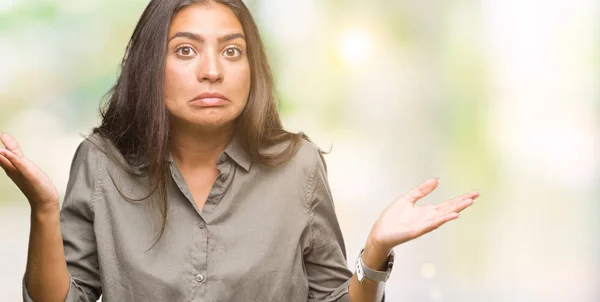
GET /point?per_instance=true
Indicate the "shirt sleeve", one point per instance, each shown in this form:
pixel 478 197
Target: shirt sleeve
pixel 77 225
pixel 325 259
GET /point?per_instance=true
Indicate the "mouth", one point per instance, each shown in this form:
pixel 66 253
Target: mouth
pixel 209 99
pixel 209 102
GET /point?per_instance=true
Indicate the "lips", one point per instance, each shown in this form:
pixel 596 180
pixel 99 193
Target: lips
pixel 209 99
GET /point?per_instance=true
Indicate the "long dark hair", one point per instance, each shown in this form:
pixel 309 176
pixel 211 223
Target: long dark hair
pixel 135 118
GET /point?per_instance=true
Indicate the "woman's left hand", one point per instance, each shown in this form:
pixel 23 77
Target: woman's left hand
pixel 403 220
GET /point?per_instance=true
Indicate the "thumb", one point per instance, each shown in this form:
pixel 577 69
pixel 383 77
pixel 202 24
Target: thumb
pixel 421 190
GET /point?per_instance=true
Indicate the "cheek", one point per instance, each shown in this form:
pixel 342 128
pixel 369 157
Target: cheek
pixel 241 78
pixel 175 81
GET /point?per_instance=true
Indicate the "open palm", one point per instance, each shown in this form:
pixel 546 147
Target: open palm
pixel 34 184
pixel 404 220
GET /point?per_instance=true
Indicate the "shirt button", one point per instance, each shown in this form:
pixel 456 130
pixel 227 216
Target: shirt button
pixel 222 177
pixel 201 224
pixel 199 277
pixel 222 159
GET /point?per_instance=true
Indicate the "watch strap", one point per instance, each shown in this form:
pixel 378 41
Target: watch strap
pixel 363 271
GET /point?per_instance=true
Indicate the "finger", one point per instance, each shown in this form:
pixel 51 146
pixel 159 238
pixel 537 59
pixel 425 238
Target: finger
pixel 460 206
pixel 420 191
pixel 14 160
pixel 438 221
pixel 444 205
pixel 6 164
pixel 456 206
pixel 11 144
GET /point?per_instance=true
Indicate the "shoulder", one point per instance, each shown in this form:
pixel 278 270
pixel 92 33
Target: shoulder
pixel 306 169
pixel 100 148
pixel 299 176
pixel 311 155
pixel 87 168
pixel 307 156
pixel 97 153
pixel 88 151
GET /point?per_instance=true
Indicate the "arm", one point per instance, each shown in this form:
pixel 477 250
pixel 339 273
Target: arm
pixel 78 242
pixel 46 277
pixel 369 290
pixel 45 257
pixel 53 257
pixel 402 221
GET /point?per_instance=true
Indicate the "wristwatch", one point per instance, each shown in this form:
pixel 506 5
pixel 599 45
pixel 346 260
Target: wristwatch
pixel 362 271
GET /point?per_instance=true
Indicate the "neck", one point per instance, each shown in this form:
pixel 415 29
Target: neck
pixel 194 148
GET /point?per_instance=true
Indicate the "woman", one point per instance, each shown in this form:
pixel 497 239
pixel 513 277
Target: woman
pixel 190 189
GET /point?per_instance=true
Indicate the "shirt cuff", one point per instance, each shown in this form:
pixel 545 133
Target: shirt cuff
pixel 340 294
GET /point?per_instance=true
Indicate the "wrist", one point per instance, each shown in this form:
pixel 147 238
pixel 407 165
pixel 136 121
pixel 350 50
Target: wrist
pixel 45 212
pixel 375 256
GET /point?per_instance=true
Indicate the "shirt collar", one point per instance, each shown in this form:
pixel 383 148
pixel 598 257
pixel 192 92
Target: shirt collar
pixel 237 153
pixel 233 150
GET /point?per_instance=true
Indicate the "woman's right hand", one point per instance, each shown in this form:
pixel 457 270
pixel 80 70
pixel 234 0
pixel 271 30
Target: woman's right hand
pixel 34 184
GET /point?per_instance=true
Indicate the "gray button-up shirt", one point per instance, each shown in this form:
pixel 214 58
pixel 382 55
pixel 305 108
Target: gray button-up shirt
pixel 264 234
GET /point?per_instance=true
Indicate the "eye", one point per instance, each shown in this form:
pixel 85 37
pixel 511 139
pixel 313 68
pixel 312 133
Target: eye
pixel 185 51
pixel 232 51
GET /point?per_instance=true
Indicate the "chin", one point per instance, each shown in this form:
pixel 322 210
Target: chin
pixel 207 119
pixel 212 122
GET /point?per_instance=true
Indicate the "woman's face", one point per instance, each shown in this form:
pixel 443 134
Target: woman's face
pixel 207 76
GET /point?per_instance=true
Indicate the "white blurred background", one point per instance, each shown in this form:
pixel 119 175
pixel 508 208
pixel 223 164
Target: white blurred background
pixel 500 96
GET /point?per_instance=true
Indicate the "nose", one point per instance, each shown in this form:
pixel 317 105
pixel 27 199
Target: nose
pixel 210 68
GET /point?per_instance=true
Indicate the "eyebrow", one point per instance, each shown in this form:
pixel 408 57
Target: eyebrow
pixel 195 37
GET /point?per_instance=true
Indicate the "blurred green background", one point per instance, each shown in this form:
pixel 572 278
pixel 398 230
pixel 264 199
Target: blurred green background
pixel 500 96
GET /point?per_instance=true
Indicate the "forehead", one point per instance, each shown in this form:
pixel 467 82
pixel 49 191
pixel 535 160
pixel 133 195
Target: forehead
pixel 206 19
